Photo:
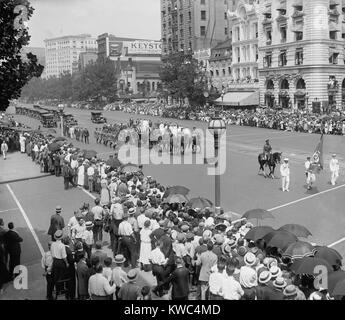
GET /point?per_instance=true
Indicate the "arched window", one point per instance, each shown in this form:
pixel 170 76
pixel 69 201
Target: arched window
pixel 284 85
pixel 300 84
pixel 270 85
pixel 153 86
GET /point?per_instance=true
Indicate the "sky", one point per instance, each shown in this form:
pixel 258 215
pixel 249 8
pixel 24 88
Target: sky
pixel 128 18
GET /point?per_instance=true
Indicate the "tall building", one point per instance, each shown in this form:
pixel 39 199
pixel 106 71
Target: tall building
pixel 193 25
pixel 62 53
pixel 137 62
pixel 86 58
pixel 302 59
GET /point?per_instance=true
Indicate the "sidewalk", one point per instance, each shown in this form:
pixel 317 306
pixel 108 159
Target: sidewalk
pixel 18 166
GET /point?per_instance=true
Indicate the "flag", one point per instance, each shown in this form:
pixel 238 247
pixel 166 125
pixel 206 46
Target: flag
pixel 317 158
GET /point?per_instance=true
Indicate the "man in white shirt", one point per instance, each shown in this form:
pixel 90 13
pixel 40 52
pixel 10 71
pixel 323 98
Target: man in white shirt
pixel 334 168
pixel 231 289
pixel 99 287
pixel 307 167
pixel 90 175
pixel 72 223
pixel 216 279
pixel 78 230
pixel 127 241
pixel 285 174
pixel 47 265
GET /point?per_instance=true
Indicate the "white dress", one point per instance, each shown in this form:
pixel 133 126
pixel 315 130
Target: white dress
pixel 22 144
pixel 145 246
pixel 81 175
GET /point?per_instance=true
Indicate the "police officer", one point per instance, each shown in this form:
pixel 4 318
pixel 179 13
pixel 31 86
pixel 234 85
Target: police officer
pixel 267 149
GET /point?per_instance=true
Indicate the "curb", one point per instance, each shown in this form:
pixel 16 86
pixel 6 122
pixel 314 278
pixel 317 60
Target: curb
pixel 25 179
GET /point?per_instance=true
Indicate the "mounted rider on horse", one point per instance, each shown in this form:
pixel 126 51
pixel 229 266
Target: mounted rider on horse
pixel 268 159
pixel 267 150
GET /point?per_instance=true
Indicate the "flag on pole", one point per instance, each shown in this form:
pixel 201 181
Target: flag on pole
pixel 317 158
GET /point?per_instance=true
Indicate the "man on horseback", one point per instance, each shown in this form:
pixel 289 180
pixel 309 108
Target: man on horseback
pixel 267 150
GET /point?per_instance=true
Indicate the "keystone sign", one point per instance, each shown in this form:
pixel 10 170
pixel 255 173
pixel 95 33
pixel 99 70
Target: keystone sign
pixel 144 47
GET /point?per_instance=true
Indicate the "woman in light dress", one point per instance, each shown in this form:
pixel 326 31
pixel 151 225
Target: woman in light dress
pixel 145 245
pixel 81 175
pixel 105 198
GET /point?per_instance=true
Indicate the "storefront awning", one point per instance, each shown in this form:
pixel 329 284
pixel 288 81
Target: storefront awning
pixel 239 99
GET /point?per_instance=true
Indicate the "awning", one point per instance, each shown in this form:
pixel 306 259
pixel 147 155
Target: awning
pixel 239 99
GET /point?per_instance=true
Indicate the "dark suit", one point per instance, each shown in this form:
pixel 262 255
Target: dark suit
pixel 265 293
pixel 12 246
pixel 56 223
pixel 180 283
pixel 83 275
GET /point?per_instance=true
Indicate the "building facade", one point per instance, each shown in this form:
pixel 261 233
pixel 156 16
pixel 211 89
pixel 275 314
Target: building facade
pixel 193 25
pixel 245 41
pixel 62 53
pixel 86 58
pixel 301 54
pixel 220 65
pixel 137 63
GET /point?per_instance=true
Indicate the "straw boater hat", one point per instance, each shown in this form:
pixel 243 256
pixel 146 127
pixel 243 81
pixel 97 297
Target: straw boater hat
pixel 131 211
pixel 58 209
pixel 265 277
pixel 119 258
pixel 89 224
pixel 132 275
pixel 280 283
pixel 250 259
pixel 275 272
pixel 58 234
pixel 290 291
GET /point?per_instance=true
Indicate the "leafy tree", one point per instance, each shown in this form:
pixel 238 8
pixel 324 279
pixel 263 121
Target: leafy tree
pixel 14 72
pixel 183 77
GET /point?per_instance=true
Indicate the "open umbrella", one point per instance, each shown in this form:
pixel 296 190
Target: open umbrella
pixel 229 216
pixel 330 255
pixel 308 265
pixel 129 168
pixel 176 190
pixel 258 214
pixel 257 233
pixel 280 239
pixel 221 227
pixel 299 250
pixel 334 278
pixel 339 289
pixel 54 147
pixel 89 154
pixel 58 138
pixel 297 230
pixel 114 163
pixel 176 198
pixel 199 203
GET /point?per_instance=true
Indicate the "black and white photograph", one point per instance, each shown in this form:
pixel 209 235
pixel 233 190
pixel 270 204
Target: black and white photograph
pixel 183 151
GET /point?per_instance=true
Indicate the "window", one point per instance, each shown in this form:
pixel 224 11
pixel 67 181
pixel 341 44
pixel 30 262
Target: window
pixel 268 60
pixel 333 35
pixel 268 36
pixel 181 18
pixel 224 72
pixel 283 34
pixel 211 72
pixel 226 31
pixel 203 15
pixel 229 71
pixel 299 57
pixel 225 16
pixel 202 31
pixel 299 36
pixel 333 59
pixel 217 73
pixel 190 15
pixel 202 2
pixel 282 59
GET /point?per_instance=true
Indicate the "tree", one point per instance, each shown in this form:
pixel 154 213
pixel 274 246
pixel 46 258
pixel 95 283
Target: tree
pixel 183 77
pixel 14 72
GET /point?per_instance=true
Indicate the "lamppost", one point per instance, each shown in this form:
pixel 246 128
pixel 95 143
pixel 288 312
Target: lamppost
pixel 217 126
pixel 223 94
pixel 61 109
pixel 307 98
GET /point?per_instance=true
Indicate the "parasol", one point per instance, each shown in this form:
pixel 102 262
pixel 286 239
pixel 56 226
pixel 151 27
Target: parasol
pixel 176 190
pixel 280 239
pixel 176 198
pixel 129 168
pixel 54 147
pixel 199 203
pixel 59 139
pixel 310 265
pixel 299 250
pixel 297 230
pixel 89 154
pixel 257 233
pixel 332 256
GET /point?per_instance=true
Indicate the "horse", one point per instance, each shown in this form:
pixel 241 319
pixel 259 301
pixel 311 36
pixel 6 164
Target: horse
pixel 271 162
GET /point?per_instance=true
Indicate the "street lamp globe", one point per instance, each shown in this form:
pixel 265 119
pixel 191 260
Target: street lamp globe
pixel 217 126
pixel 61 108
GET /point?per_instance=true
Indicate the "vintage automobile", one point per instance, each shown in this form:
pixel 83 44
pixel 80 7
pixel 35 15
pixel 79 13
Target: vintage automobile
pixel 48 120
pixel 69 119
pixel 96 117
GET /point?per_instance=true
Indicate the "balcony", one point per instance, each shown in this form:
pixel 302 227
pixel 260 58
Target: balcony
pixel 333 86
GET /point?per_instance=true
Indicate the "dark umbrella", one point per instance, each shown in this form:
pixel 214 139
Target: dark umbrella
pixel 199 203
pixel 297 230
pixel 334 278
pixel 339 289
pixel 258 214
pixel 228 216
pixel 221 227
pixel 114 163
pixel 129 168
pixel 330 255
pixel 89 154
pixel 280 239
pixel 299 250
pixel 257 233
pixel 176 198
pixel 176 190
pixel 307 265
pixel 59 138
pixel 54 147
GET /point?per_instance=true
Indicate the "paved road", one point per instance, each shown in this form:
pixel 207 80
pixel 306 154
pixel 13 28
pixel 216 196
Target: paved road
pixel 320 210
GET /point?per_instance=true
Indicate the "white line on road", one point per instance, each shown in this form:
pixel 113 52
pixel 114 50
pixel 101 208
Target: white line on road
pixel 13 209
pixel 306 198
pixel 26 220
pixel 87 192
pixel 337 242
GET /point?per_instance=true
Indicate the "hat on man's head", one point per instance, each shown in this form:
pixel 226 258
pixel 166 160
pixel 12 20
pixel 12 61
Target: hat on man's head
pixel 131 211
pixel 88 224
pixel 232 243
pixel 132 274
pixel 119 258
pixel 290 290
pixel 280 283
pixel 242 251
pixel 226 249
pixel 286 159
pixel 250 259
pixel 190 236
pixel 58 209
pixel 58 234
pixel 265 276
pixel 275 272
pixel 185 227
pixel 334 155
pixel 207 234
pixel 219 239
